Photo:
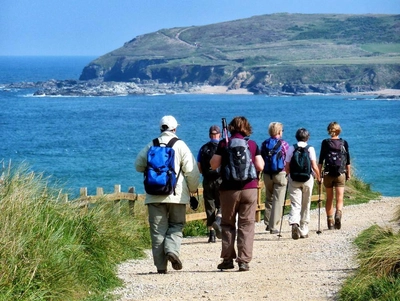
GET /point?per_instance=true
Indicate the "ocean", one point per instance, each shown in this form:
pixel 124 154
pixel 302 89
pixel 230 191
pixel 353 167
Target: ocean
pixel 93 141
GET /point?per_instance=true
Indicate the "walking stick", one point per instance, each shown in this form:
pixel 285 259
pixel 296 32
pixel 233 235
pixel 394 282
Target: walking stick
pixel 225 130
pixel 319 208
pixel 283 209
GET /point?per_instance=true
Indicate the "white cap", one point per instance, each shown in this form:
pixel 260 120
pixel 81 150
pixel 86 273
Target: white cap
pixel 169 121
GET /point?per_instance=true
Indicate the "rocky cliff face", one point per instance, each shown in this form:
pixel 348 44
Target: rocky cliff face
pixel 291 53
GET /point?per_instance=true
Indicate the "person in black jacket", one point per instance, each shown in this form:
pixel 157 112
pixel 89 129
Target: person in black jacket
pixel 211 181
pixel 334 160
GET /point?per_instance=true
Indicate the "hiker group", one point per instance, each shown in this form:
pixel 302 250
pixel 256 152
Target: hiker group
pixel 232 166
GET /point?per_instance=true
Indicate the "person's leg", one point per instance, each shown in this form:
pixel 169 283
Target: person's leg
pixel 209 206
pixel 339 189
pixel 158 229
pixel 278 198
pixel 217 205
pixel 246 224
pixel 295 193
pixel 173 239
pixel 328 183
pixel 209 202
pixel 305 207
pixel 229 203
pixel 268 183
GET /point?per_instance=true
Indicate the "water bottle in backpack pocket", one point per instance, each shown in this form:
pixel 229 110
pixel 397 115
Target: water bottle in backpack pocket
pixel 300 164
pixel 271 151
pixel 160 177
pixel 240 165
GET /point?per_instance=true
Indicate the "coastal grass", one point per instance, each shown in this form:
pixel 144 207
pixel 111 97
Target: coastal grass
pixel 378 275
pixel 50 250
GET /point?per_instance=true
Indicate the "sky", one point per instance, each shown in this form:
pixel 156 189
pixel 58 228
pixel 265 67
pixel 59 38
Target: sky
pixel 96 27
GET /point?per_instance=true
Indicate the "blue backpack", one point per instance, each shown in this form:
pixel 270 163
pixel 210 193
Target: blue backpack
pixel 271 151
pixel 160 176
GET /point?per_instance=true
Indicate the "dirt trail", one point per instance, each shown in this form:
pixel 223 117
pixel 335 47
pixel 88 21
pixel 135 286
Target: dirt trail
pixel 282 268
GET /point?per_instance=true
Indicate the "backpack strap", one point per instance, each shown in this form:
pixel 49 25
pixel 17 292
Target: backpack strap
pixel 278 144
pixel 171 144
pixel 156 142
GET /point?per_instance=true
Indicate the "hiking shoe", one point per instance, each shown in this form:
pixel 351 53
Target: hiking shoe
pixel 304 236
pixel 338 219
pixel 274 231
pixel 243 267
pixel 176 263
pixel 217 227
pixel 212 236
pixel 227 264
pixel 267 229
pixel 295 231
pixel 162 271
pixel 330 222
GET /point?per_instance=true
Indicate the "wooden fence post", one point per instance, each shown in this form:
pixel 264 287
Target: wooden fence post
pixel 83 193
pixel 132 203
pixel 117 203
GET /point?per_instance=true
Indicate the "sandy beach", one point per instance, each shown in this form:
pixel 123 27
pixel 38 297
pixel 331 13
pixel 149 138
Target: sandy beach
pixel 207 89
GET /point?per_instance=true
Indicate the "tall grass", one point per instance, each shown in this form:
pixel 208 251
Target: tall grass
pixel 50 251
pixel 378 277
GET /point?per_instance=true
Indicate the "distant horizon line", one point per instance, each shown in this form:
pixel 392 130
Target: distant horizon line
pixel 48 55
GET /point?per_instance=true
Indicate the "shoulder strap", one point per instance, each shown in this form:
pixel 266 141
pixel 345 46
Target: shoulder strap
pixel 172 142
pixel 156 142
pixel 277 145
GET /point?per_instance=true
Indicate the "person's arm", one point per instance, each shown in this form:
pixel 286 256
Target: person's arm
pixel 259 163
pixel 348 164
pixel 215 161
pixel 198 161
pixel 189 166
pixel 322 154
pixel 315 168
pixel 141 159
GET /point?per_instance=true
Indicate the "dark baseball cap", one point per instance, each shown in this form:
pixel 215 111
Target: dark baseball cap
pixel 214 129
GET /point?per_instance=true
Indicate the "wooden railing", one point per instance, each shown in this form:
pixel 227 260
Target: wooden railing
pixel 131 196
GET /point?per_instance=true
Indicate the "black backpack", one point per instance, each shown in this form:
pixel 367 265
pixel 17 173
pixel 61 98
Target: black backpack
pixel 300 164
pixel 206 153
pixel 240 165
pixel 271 151
pixel 336 158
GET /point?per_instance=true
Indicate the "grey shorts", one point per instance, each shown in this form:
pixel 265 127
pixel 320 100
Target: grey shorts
pixel 332 181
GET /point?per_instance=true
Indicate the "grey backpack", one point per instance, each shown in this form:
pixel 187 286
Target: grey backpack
pixel 240 165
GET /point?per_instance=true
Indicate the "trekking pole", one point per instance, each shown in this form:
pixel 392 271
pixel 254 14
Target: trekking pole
pixel 319 208
pixel 225 129
pixel 283 209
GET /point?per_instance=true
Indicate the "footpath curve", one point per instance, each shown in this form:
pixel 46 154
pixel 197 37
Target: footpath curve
pixel 282 268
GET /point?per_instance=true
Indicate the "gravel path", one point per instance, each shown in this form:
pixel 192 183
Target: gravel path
pixel 282 268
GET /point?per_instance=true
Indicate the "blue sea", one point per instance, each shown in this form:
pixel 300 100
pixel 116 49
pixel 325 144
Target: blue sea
pixel 93 141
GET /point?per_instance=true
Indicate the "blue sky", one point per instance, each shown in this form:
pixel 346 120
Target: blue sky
pixel 95 27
